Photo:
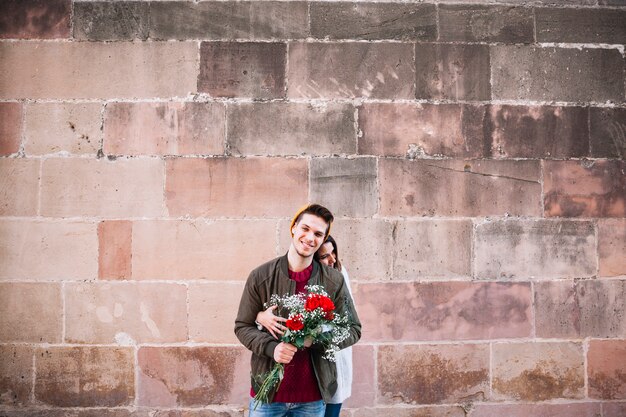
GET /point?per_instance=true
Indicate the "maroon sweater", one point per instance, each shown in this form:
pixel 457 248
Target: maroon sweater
pixel 299 384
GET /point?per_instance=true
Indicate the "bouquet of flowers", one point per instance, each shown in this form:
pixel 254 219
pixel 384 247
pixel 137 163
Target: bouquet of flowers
pixel 311 319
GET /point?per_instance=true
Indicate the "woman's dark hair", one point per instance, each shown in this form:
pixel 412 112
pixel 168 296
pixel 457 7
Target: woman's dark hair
pixel 335 251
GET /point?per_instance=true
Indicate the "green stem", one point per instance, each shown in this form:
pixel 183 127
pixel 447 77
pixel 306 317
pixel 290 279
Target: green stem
pixel 273 379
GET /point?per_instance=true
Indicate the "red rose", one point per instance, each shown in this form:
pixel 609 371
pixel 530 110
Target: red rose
pixel 295 323
pixel 327 304
pixel 329 315
pixel 312 302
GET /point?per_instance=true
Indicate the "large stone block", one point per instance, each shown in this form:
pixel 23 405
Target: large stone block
pixel 432 374
pixel 404 411
pixel 606 363
pixel 364 379
pixel 452 71
pixel 291 129
pixel 532 371
pixel 102 313
pixel 584 188
pixel 374 21
pixel 19 190
pixel 592 25
pixel 31 312
pixel 439 249
pixel 99 187
pixel 444 311
pixel 346 186
pixel 10 128
pixel 482 23
pixel 612 247
pixel 559 74
pixel 537 131
pixel 114 249
pixel 193 376
pixel 35 19
pixel 217 250
pixel 587 308
pixel 35 250
pixel 350 70
pixel 80 412
pixel 390 129
pixel 607 131
pixel 219 411
pixel 525 410
pixel 459 188
pixel 243 69
pixel 62 127
pixel 535 249
pixel 84 376
pixel 16 374
pixel 67 70
pixel 236 187
pixel 111 21
pixel 613 409
pixel 252 20
pixel 212 311
pixel 170 128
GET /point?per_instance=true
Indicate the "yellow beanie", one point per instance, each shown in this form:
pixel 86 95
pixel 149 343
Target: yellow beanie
pixel 298 213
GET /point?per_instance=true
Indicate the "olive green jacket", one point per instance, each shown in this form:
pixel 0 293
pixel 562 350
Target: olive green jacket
pixel 273 278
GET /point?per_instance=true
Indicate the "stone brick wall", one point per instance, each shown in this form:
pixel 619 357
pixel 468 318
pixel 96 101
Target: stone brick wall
pixel 153 151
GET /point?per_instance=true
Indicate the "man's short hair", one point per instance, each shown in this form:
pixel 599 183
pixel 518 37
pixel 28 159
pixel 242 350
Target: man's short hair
pixel 316 210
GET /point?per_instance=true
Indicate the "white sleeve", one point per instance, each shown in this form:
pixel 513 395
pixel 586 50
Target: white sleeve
pixel 346 278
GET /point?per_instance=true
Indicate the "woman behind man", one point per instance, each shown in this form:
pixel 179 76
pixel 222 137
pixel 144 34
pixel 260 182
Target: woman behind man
pixel 327 255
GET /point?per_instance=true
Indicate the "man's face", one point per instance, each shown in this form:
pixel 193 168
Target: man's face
pixel 308 234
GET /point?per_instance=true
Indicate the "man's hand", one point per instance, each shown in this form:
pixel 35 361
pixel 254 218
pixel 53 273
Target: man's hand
pixel 284 352
pixel 271 322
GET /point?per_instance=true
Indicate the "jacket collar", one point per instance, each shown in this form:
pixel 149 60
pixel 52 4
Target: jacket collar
pixel 315 274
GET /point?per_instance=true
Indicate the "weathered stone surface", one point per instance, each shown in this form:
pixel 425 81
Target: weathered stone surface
pixel 459 188
pixel 84 376
pixel 561 74
pixel 66 70
pixel 607 131
pixel 482 23
pixel 91 187
pixel 537 131
pixel 62 127
pixel 10 128
pixel 34 250
pixel 252 20
pixel 421 129
pixel 606 368
pixel 588 308
pixel 31 312
pixel 404 411
pixel 444 311
pixel 170 128
pixel 523 249
pixel 78 412
pixel 584 189
pixel 114 249
pixel 16 374
pixel 611 2
pixel 220 412
pixel 218 250
pixel 111 21
pixel 193 376
pixel 432 249
pixel 526 410
pixel 19 187
pixel 363 378
pixel 612 247
pixel 592 25
pixel 35 19
pixel 452 71
pixel 347 185
pixel 613 409
pixel 431 374
pixel 243 69
pixel 374 21
pixel 125 313
pixel 286 129
pixel 234 187
pixel 532 371
pixel 350 70
pixel 212 311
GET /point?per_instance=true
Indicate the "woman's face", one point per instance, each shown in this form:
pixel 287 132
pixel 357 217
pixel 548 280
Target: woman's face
pixel 327 254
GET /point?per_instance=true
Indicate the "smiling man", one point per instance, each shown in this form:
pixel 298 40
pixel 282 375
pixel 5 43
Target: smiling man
pixel 309 380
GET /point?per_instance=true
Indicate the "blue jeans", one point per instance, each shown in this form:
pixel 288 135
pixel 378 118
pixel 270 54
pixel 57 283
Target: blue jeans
pixel 311 409
pixel 332 410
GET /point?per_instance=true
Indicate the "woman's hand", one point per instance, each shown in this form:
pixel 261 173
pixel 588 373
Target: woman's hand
pixel 272 323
